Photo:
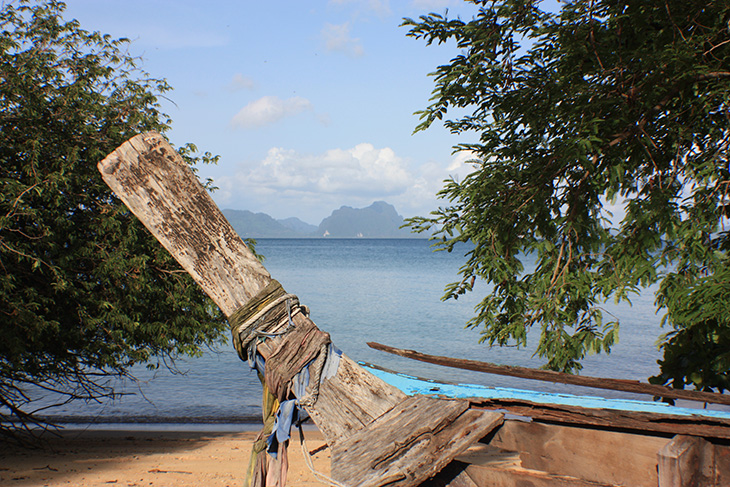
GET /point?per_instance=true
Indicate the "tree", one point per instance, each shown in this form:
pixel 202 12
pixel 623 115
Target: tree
pixel 85 290
pixel 602 104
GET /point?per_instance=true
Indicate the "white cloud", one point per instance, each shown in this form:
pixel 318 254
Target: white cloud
pixel 269 109
pixel 241 82
pixel 420 197
pixel 362 170
pixel 337 38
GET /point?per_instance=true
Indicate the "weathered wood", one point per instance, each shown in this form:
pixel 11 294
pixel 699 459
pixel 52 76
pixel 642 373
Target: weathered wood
pixel 488 455
pixel 453 475
pixel 411 443
pixel 686 461
pixel 350 402
pixel 721 465
pixel 623 385
pixel 640 422
pixel 602 456
pixel 494 466
pixel 522 477
pixel 151 178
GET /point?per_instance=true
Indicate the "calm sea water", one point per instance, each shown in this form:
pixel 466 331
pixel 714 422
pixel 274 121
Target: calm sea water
pixel 362 290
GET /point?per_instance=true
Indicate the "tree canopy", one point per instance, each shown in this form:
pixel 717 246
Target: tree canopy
pixel 85 290
pixel 594 106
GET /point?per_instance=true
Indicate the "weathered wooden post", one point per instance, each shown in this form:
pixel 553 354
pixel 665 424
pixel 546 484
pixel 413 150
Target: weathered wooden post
pixel 378 436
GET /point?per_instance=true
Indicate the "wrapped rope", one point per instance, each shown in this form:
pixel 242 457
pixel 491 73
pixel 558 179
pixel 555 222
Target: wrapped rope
pixel 263 316
pixel 303 346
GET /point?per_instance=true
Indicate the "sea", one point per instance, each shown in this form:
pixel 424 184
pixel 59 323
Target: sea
pixel 360 290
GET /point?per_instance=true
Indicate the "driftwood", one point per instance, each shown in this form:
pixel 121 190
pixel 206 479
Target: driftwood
pixel 623 385
pixel 151 178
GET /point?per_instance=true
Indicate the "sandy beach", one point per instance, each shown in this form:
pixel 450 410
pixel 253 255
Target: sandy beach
pixel 144 458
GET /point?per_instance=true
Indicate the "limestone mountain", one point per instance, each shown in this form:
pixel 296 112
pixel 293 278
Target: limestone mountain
pixel 379 220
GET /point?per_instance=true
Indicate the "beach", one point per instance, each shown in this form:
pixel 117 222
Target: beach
pixel 150 458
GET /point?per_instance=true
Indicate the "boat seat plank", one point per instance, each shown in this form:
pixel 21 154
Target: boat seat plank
pixel 490 456
pixel 522 477
pixel 602 456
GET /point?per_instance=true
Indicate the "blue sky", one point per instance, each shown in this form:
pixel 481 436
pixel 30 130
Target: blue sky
pixel 309 103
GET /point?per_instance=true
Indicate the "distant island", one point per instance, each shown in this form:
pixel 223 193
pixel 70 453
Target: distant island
pixel 379 220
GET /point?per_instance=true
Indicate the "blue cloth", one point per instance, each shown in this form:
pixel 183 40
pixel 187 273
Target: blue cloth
pixel 289 412
pixel 300 382
pixel 285 417
pixel 255 360
pixel 332 363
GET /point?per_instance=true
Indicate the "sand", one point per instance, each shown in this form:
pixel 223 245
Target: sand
pixel 139 458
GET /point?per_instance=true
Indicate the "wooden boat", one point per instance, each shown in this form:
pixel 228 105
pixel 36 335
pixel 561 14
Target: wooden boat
pixel 378 434
pixel 562 439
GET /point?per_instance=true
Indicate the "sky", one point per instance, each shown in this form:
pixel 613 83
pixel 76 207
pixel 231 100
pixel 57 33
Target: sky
pixel 309 104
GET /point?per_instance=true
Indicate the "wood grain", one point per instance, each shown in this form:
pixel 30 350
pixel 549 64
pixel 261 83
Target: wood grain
pixel 613 419
pixel 151 178
pixel 410 443
pixel 602 456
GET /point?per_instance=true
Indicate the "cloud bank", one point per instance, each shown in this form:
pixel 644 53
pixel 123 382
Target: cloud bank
pixel 288 183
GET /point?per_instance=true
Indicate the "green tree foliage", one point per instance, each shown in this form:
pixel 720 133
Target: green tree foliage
pixel 600 103
pixel 85 290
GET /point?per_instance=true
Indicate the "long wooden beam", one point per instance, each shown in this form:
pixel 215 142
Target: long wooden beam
pixel 623 385
pixel 156 184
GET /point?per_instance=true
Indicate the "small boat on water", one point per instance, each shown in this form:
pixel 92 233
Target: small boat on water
pixel 385 428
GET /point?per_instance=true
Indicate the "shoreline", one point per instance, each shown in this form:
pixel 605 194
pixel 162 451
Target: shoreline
pixel 162 425
pixel 157 424
pixel 131 457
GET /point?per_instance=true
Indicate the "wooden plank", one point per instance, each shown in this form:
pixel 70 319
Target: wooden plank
pixel 710 427
pixel 720 472
pixel 521 477
pixel 686 461
pixel 151 178
pixel 633 386
pixel 596 455
pixel 489 455
pixel 411 443
pixel 453 475
pixel 678 462
pixel 493 466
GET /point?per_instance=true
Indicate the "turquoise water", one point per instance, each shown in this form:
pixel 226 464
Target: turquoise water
pixel 363 290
